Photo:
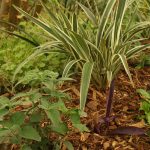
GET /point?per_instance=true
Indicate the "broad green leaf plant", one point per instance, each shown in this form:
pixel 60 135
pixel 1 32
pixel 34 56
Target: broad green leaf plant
pixel 27 119
pixel 145 103
pixel 102 49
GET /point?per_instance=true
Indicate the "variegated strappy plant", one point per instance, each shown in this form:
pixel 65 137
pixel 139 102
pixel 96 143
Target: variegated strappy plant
pixel 100 50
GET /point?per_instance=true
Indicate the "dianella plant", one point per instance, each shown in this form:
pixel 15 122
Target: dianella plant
pixel 143 14
pixel 100 49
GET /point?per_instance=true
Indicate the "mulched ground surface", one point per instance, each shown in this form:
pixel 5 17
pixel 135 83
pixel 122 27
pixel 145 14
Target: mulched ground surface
pixel 126 106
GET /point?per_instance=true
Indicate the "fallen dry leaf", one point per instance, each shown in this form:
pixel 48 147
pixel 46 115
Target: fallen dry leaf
pixel 140 124
pixel 92 105
pixel 114 144
pixel 75 91
pixel 125 108
pixel 106 145
pixel 26 105
pixel 84 136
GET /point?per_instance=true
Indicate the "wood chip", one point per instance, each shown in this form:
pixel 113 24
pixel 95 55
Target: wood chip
pixel 140 124
pixel 92 105
pixel 75 91
pixel 84 137
pixel 84 147
pixel 106 145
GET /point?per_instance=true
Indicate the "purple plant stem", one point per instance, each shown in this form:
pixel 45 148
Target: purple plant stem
pixel 109 102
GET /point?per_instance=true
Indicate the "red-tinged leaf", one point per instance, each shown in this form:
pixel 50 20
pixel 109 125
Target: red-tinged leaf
pixel 128 131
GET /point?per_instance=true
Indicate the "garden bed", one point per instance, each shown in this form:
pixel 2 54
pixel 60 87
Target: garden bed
pixel 125 106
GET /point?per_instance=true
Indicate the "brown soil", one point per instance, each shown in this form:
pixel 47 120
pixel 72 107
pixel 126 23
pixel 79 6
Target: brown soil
pixel 126 106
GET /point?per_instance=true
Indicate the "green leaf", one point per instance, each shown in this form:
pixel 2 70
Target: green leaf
pixel 38 52
pixel 6 123
pixel 35 97
pixel 143 93
pixel 54 116
pixel 4 101
pixel 36 21
pixel 26 147
pixel 3 112
pixel 103 21
pixel 145 106
pixel 28 132
pixel 66 21
pixel 51 15
pixel 90 15
pixel 69 145
pixel 126 67
pixel 75 118
pixel 74 23
pixel 4 132
pixel 118 20
pixel 68 67
pixel 36 117
pixel 148 117
pixel 59 106
pixel 81 43
pixel 18 118
pixel 85 82
pixel 60 128
pixel 45 104
pixel 16 140
pixel 81 127
pixel 21 95
pixel 21 37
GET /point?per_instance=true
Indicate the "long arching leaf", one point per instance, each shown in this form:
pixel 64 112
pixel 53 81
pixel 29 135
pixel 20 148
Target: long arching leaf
pixel 90 15
pixel 68 67
pixel 85 82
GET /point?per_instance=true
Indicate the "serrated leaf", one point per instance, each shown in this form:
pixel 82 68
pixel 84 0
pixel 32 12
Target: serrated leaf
pixel 28 132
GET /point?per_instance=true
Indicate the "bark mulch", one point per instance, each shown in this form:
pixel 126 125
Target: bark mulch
pixel 126 106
